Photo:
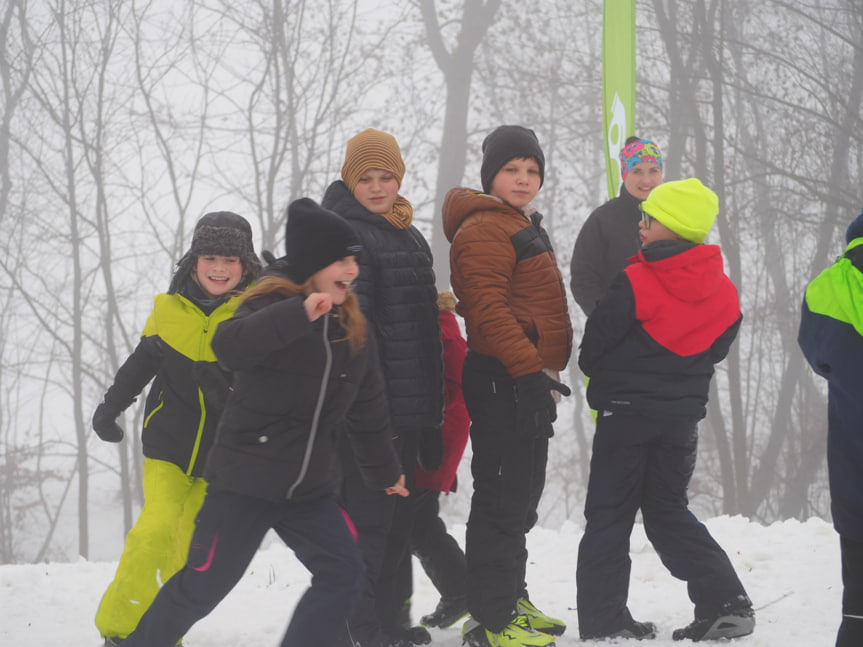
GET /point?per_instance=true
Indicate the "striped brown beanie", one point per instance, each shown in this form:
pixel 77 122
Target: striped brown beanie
pixel 372 149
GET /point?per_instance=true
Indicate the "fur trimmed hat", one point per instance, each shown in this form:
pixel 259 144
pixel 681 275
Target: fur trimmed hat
pixel 219 233
pixel 505 143
pixel 686 207
pixel 314 238
pixel 372 149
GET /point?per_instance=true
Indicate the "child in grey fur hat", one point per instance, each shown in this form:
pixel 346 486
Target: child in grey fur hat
pixel 179 420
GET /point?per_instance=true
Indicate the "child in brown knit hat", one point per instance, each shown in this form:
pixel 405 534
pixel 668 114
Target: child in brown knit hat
pixel 397 294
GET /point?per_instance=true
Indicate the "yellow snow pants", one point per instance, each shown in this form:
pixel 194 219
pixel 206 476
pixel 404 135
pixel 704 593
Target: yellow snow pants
pixel 156 547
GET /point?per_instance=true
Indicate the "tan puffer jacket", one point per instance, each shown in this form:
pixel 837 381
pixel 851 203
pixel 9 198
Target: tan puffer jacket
pixel 510 290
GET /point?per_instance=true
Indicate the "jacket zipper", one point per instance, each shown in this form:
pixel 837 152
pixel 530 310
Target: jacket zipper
pixel 313 432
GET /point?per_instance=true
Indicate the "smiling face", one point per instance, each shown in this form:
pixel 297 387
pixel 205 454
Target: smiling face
pixel 336 278
pixel 517 182
pixel 377 191
pixel 642 178
pixel 218 275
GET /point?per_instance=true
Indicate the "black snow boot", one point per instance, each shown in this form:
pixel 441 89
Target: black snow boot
pixel 735 619
pixel 625 627
pixel 447 613
pixel 409 636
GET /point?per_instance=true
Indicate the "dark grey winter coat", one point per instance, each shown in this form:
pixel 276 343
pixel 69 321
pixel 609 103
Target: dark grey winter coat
pixel 606 241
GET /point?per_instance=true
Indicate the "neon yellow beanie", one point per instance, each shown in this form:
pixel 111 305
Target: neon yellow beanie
pixel 686 207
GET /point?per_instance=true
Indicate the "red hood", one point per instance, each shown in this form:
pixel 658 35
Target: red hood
pixel 691 275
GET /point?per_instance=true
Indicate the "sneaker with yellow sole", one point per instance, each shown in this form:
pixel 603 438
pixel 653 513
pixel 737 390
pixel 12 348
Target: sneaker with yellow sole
pixel 518 633
pixel 538 620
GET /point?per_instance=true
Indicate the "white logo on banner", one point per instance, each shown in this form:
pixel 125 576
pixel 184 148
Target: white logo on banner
pixel 616 134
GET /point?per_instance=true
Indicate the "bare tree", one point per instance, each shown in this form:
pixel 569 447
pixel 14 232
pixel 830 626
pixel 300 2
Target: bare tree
pixel 456 61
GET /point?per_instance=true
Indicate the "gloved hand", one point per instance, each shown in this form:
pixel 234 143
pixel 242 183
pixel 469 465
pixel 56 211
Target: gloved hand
pixel 430 449
pixel 105 423
pixel 212 382
pixel 535 408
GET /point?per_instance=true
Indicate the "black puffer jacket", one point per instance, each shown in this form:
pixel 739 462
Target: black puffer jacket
pixel 397 293
pixel 294 382
pixel 606 241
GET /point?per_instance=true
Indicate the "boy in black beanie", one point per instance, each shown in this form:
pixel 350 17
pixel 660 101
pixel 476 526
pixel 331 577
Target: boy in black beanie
pixel 513 301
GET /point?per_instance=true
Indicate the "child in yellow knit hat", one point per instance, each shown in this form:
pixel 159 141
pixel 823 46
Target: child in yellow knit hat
pixel 649 349
pixel 397 294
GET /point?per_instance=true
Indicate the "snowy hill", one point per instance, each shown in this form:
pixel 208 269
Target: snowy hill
pixel 791 571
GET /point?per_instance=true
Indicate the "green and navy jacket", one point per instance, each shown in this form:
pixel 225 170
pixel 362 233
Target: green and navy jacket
pixel 831 337
pixel 178 427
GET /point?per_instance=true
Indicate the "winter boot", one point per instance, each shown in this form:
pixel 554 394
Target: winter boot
pixel 518 633
pixel 447 612
pixel 409 636
pixel 626 627
pixel 538 620
pixel 735 619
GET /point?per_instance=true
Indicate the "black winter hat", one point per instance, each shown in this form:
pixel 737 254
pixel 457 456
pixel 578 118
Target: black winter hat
pixel 855 229
pixel 220 233
pixel 314 238
pixel 505 143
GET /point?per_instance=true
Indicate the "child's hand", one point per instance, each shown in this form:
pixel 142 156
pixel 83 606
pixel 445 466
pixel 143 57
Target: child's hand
pixel 317 304
pixel 398 488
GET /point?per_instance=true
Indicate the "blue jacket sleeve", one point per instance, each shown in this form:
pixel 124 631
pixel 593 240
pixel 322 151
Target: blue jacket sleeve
pixel 810 338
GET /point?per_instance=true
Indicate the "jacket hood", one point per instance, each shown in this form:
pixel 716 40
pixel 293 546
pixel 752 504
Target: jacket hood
pixel 460 203
pixel 688 271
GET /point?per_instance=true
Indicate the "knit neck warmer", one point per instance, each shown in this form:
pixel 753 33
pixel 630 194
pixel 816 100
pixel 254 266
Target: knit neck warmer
pixel 402 214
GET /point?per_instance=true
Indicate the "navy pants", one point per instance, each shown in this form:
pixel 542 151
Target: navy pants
pixel 230 528
pixel 851 629
pixel 645 463
pixel 508 469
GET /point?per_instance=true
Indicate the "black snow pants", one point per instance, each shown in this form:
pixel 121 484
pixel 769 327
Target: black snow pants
pixel 645 463
pixel 508 469
pixel 371 512
pixel 439 553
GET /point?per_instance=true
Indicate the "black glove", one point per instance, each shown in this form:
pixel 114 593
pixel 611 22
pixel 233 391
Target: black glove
pixel 105 423
pixel 213 384
pixel 535 407
pixel 430 449
pixel 268 256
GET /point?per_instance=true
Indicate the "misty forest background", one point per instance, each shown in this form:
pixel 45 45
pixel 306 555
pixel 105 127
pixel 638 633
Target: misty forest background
pixel 124 121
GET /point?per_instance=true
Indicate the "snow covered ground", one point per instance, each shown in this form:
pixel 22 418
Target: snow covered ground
pixel 790 569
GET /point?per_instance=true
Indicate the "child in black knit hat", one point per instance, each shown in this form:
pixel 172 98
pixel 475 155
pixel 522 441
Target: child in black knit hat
pixel 301 362
pixel 179 425
pixel 513 301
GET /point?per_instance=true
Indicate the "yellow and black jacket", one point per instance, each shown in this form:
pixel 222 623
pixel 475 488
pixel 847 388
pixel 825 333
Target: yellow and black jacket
pixel 177 424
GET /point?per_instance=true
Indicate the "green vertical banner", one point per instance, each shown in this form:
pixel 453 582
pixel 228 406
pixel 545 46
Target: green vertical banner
pixel 618 83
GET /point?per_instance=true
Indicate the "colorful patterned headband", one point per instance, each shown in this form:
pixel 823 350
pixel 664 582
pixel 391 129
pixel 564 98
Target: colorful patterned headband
pixel 641 150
